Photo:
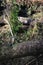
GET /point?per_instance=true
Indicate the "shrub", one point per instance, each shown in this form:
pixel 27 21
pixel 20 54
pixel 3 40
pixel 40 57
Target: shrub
pixel 15 23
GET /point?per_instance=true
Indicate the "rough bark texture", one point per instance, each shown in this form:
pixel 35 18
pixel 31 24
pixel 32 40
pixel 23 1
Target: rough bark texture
pixel 30 48
pixel 27 53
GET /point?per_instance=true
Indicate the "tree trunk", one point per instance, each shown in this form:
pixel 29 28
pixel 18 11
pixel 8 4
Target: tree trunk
pixel 30 48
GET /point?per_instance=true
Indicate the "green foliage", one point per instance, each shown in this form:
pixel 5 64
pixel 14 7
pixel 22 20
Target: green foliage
pixel 31 33
pixel 15 23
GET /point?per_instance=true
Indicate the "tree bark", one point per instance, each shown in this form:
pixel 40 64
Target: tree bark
pixel 30 48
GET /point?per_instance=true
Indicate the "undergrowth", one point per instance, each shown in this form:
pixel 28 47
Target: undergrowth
pixel 31 33
pixel 15 23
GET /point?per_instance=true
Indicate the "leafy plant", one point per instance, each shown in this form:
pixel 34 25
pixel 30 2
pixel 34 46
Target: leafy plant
pixel 31 33
pixel 15 23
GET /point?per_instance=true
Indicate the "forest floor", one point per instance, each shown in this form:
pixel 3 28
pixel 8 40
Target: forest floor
pixel 34 32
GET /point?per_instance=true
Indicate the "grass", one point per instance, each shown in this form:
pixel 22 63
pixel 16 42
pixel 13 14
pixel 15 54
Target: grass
pixel 31 33
pixel 15 23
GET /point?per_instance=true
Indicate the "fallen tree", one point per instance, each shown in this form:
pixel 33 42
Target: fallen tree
pixel 15 54
pixel 30 48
